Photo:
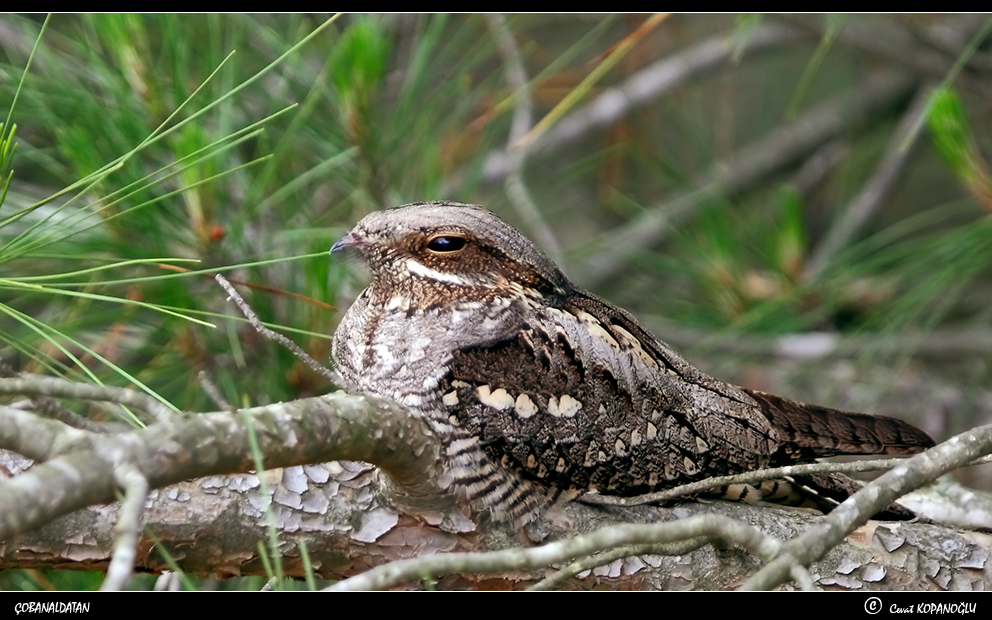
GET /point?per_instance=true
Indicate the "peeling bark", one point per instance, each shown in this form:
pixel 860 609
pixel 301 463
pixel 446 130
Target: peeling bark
pixel 353 517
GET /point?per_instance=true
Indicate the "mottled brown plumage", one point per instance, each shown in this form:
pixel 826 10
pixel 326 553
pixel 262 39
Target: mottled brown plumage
pixel 538 388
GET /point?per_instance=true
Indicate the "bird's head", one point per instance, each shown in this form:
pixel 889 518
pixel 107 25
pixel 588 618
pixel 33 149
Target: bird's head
pixel 450 250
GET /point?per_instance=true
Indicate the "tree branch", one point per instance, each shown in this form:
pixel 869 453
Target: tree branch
pixel 128 527
pixel 643 88
pixel 875 190
pixel 82 472
pixel 212 524
pixel 917 471
pixel 786 144
pixel 751 477
pixel 516 188
pixel 302 355
pixel 713 528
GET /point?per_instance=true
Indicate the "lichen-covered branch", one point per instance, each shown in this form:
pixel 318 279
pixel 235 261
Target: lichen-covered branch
pixel 917 471
pixel 78 467
pixel 352 518
pixel 714 528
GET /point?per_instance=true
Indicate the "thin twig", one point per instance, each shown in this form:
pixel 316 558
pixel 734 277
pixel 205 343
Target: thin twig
pixel 32 385
pixel 819 166
pixel 643 88
pixel 516 188
pixel 678 548
pixel 715 528
pixel 128 526
pixel 802 577
pixel 857 509
pixel 33 436
pixel 945 41
pixel 749 478
pixel 211 390
pixel 314 365
pixel 888 40
pixel 871 197
pixel 57 411
pixel 756 161
pixel 168 581
pixel 78 468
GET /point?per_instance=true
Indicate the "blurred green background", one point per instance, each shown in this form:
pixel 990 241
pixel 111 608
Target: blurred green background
pixel 801 204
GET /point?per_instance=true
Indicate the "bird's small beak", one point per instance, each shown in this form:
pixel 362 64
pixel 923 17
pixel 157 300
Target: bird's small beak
pixel 351 240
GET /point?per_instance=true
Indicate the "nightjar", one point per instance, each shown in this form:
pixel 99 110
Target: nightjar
pixel 537 388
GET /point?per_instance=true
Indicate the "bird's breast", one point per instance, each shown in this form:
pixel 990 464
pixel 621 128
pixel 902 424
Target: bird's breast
pixel 397 349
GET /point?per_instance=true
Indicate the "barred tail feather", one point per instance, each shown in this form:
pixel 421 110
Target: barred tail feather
pixel 811 431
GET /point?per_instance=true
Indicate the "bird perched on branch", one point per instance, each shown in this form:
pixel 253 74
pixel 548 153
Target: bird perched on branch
pixel 538 388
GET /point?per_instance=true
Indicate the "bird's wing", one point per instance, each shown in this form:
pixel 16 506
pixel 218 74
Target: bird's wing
pixel 582 396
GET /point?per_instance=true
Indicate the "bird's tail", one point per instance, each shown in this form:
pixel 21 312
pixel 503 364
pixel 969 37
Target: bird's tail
pixel 811 431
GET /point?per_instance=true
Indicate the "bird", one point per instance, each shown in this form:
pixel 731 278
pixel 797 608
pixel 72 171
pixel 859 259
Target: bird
pixel 540 390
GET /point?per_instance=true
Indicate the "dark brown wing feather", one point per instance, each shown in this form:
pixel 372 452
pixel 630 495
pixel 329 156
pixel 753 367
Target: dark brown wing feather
pixel 572 402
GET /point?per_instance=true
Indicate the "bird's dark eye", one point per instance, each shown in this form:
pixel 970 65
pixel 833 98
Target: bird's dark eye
pixel 446 243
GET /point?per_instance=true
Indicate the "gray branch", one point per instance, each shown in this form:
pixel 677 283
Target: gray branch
pixel 128 527
pixel 712 528
pixel 783 146
pixel 878 187
pixel 516 188
pixel 349 520
pixel 79 467
pixel 856 511
pixel 643 88
pixel 302 355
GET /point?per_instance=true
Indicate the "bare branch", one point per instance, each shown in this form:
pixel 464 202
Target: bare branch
pixel 714 528
pixel 57 411
pixel 783 146
pixel 31 385
pixel 643 88
pixel 819 165
pixel 128 527
pixel 314 365
pixel 35 437
pixel 750 477
pixel 581 565
pixel 211 390
pixel 915 472
pixel 516 188
pixel 888 40
pixel 334 426
pixel 370 530
pixel 876 189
